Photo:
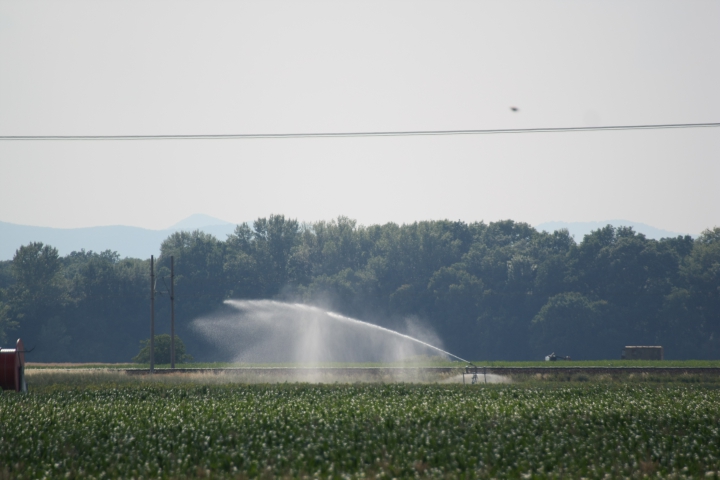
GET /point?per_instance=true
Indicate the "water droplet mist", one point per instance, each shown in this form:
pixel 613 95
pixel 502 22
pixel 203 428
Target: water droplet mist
pixel 266 331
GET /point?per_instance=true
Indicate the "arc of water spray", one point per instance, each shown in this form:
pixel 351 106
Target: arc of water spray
pixel 407 337
pixel 363 324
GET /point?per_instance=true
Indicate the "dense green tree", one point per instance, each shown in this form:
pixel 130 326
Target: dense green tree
pixel 6 275
pixel 696 308
pixel 240 266
pixel 7 323
pixel 519 268
pixel 457 297
pixel 162 350
pixel 37 299
pixel 334 246
pixel 200 273
pixel 272 243
pixel 110 298
pixel 570 324
pixel 633 274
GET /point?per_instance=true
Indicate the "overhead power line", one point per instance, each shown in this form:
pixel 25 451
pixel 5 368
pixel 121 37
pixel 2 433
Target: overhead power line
pixel 241 136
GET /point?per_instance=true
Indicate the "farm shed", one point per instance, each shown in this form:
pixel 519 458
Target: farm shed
pixel 642 353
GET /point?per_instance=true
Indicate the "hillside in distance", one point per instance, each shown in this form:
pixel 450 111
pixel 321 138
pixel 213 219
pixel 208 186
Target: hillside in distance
pixel 133 242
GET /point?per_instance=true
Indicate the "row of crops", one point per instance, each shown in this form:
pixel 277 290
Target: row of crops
pixel 360 431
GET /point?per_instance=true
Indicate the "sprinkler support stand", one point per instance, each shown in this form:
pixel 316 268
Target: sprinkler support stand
pixel 471 368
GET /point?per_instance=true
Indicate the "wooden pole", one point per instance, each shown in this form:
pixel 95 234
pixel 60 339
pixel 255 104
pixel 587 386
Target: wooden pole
pixel 172 311
pixel 152 313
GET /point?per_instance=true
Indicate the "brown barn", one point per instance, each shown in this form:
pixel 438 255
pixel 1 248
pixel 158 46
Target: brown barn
pixel 642 353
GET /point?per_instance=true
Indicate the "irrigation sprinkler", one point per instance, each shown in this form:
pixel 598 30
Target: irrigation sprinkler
pixel 12 368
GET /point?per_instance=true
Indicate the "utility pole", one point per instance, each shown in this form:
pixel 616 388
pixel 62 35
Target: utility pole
pixel 152 313
pixel 172 311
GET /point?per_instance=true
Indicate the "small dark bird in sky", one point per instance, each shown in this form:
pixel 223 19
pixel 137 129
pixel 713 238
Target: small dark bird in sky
pixel 514 109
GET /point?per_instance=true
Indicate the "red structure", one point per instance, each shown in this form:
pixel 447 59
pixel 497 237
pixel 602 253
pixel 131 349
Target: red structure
pixel 12 368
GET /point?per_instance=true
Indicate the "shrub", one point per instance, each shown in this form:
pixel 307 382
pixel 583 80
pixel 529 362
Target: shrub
pixel 162 350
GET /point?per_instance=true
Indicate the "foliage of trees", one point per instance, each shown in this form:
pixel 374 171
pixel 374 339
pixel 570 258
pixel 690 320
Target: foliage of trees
pixel 82 307
pixel 501 290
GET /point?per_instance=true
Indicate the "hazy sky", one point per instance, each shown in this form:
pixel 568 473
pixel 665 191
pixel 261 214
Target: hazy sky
pixel 210 67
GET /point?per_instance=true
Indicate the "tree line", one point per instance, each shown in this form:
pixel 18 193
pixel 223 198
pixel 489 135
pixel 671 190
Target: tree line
pixel 501 290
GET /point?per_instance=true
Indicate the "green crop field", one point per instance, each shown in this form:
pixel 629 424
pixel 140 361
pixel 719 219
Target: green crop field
pixel 180 430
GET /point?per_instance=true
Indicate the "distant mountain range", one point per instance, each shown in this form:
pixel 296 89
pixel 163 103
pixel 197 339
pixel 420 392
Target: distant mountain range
pixel 131 242
pixel 138 242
